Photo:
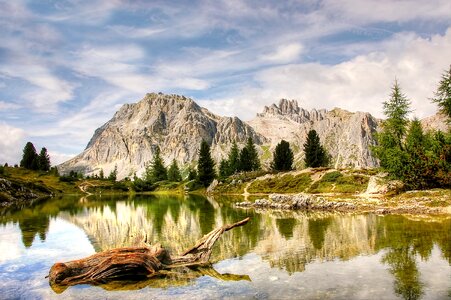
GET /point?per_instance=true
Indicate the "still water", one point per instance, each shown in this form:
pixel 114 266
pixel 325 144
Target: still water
pixel 275 256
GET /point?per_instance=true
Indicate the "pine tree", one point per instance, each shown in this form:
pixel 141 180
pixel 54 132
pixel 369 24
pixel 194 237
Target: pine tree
pixel 415 138
pixel 44 160
pixel 253 155
pixel 30 157
pixel 224 168
pixel 396 110
pixel 206 166
pixel 101 174
pixel 192 174
pixel 156 171
pixel 245 160
pixel 174 172
pixel 282 157
pixel 113 174
pixel 443 94
pixel 248 158
pixel 315 154
pixel 233 160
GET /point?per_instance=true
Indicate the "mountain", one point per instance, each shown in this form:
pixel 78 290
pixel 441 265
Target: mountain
pixel 174 123
pixel 346 136
pixel 177 125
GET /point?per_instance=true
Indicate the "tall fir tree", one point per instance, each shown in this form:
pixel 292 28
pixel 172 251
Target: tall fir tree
pixel 315 154
pixel 253 154
pixel 390 140
pixel 29 157
pixel 224 168
pixel 205 166
pixel 248 158
pixel 174 172
pixel 233 160
pixel 44 160
pixel 443 95
pixel 396 110
pixel 192 173
pixel 113 174
pixel 156 171
pixel 101 174
pixel 282 157
pixel 245 160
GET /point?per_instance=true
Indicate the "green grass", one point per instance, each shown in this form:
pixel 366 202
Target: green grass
pixel 337 182
pixel 281 184
pixel 40 178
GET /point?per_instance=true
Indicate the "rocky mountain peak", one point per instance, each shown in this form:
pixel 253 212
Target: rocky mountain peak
pixel 175 124
pixel 289 109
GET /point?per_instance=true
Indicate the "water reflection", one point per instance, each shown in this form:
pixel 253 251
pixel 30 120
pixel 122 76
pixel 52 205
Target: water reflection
pixel 286 241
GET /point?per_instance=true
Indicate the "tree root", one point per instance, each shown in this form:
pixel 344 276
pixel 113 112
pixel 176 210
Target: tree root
pixel 134 263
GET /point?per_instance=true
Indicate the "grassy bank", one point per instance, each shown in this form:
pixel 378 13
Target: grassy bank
pixel 314 181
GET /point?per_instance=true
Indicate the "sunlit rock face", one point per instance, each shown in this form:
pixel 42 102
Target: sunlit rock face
pixel 346 136
pixel 174 123
pixel 435 122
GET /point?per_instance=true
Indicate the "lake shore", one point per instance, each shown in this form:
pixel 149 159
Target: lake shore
pixel 437 201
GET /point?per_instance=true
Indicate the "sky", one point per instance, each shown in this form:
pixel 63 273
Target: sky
pixel 66 66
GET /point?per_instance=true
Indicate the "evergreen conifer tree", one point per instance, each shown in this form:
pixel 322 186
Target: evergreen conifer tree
pixel 101 174
pixel 206 166
pixel 248 158
pixel 396 110
pixel 315 155
pixel 390 149
pixel 443 94
pixel 44 160
pixel 245 160
pixel 253 154
pixel 224 168
pixel 192 174
pixel 282 157
pixel 113 174
pixel 233 160
pixel 29 157
pixel 158 171
pixel 174 172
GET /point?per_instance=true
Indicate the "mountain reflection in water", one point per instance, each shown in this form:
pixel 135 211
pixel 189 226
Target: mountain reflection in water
pixel 289 242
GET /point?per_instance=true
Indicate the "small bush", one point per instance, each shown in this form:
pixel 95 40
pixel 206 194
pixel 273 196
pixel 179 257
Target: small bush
pixel 331 176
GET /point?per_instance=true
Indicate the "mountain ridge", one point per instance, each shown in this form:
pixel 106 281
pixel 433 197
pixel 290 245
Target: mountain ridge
pixel 177 124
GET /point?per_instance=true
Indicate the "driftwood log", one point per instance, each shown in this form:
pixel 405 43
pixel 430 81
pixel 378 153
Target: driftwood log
pixel 133 263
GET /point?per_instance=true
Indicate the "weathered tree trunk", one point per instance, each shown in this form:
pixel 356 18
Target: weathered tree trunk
pixel 134 262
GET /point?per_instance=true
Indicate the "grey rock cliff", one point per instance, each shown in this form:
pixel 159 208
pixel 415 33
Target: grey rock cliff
pixel 346 136
pixel 174 123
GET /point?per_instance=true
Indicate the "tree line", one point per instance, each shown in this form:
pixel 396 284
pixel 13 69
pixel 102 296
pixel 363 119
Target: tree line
pixel 420 159
pixel 32 160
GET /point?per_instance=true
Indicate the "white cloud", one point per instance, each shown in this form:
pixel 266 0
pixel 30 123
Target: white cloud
pixel 136 32
pixel 372 11
pixel 12 141
pixel 57 158
pixel 7 106
pixel 284 53
pixel 359 84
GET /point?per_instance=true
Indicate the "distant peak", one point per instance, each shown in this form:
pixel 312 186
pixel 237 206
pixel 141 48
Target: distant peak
pixel 290 109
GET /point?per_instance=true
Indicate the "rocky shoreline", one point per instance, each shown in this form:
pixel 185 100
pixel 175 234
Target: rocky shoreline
pixel 310 202
pixel 14 193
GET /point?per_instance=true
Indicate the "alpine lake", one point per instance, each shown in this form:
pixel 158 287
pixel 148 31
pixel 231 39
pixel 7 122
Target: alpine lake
pixel 277 255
